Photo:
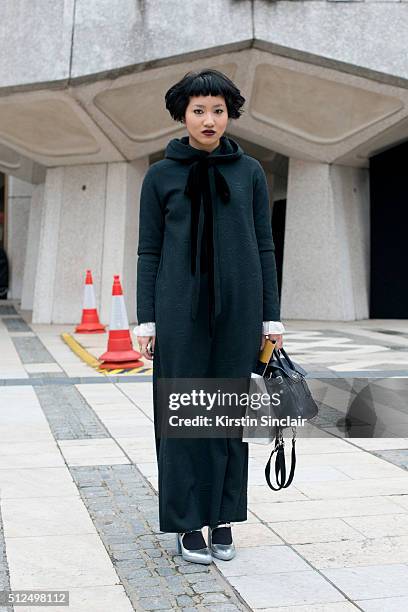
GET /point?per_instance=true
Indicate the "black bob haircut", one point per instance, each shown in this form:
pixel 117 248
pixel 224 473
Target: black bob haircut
pixel 207 82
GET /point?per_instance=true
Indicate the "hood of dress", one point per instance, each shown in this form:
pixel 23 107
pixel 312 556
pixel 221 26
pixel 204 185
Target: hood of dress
pixel 180 150
pixel 200 193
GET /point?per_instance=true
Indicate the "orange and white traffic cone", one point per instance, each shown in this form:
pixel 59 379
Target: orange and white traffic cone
pixel 90 321
pixel 120 351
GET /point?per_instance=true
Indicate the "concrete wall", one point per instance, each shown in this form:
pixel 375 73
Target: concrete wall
pixel 370 35
pixel 85 37
pixel 35 37
pixel 89 220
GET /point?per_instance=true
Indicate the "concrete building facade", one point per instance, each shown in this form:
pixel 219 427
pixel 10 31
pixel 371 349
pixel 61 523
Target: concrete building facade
pixel 82 116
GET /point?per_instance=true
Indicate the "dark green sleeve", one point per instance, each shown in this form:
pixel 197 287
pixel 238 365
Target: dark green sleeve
pixel 263 230
pixel 151 225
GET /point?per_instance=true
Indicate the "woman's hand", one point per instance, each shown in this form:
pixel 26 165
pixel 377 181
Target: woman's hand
pixel 277 337
pixel 145 348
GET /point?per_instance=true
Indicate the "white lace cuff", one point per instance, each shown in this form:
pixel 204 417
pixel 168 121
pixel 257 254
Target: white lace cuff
pixel 145 329
pixel 272 327
pixel 149 329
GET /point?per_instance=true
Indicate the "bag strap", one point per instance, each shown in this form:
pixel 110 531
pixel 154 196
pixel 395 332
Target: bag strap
pixel 277 354
pixel 288 359
pixel 280 465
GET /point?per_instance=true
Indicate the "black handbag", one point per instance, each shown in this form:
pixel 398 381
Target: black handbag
pixel 287 378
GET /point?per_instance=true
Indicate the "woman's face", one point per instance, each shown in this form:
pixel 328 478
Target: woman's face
pixel 206 119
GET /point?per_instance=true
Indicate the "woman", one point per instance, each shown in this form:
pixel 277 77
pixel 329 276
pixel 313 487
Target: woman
pixel 206 294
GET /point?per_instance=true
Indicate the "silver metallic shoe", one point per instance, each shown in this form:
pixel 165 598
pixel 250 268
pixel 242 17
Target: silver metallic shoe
pixel 225 552
pixel 201 555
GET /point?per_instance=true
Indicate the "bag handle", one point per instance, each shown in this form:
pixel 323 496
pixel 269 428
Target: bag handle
pixel 288 359
pixel 280 465
pixel 278 356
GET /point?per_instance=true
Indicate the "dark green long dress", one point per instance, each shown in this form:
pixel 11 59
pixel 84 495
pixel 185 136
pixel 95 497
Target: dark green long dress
pixel 206 275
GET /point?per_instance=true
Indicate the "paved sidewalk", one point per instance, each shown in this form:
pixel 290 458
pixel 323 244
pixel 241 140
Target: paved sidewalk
pixel 78 489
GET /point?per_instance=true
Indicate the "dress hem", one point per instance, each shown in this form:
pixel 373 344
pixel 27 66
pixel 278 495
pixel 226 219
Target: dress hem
pixel 240 520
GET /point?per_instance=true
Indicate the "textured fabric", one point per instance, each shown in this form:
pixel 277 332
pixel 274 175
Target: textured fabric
pixel 149 329
pixel 243 243
pixel 203 481
pixel 199 191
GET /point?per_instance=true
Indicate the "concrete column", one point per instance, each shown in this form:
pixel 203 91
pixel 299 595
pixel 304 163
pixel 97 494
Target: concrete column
pixel 90 220
pixel 326 253
pixel 120 241
pixel 44 289
pixel 33 244
pixel 19 199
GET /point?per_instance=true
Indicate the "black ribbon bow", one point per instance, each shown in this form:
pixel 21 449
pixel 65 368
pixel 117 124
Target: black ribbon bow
pixel 198 189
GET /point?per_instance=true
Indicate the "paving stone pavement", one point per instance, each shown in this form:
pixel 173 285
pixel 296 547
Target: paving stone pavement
pixel 69 415
pixel 338 536
pixel 123 507
pixel 16 324
pixel 57 376
pixel 124 510
pixel 32 350
pixel 398 457
pixel 7 309
pixel 54 378
pixel 4 570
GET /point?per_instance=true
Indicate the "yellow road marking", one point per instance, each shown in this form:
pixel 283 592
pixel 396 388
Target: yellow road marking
pixel 89 359
pixel 79 350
